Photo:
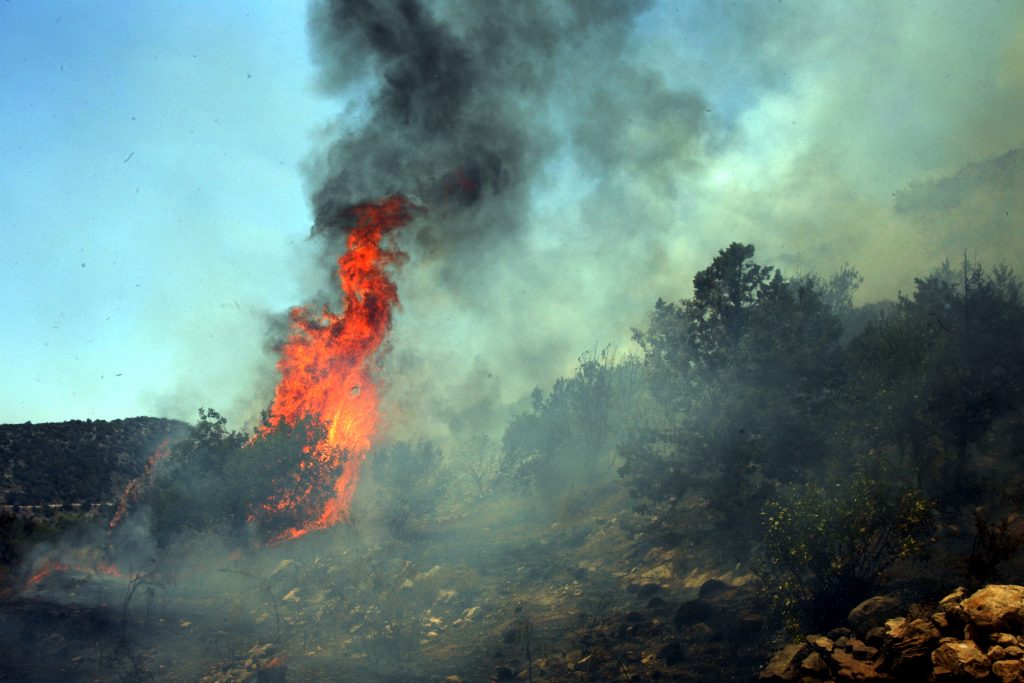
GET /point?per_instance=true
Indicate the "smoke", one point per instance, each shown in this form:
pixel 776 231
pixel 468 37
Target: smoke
pixel 578 160
pixel 476 111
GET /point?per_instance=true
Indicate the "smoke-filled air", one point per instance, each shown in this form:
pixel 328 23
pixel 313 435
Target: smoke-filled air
pixel 556 340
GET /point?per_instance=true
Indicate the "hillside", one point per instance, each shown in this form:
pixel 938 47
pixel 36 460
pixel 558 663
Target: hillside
pixel 76 461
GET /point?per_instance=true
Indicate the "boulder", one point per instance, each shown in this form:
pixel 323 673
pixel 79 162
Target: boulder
pixel 692 612
pixel 850 668
pixel 784 667
pixel 995 608
pixel 814 665
pixel 712 587
pixel 908 645
pixel 1009 671
pixel 672 652
pixel 874 612
pixel 963 659
pixel 647 590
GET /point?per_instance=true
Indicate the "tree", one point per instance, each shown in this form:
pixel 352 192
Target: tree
pixel 411 483
pixel 931 374
pixel 220 480
pixel 571 434
pixel 744 371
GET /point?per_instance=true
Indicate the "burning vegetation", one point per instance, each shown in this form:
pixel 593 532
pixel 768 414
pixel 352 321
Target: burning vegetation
pixel 766 461
pixel 327 373
pixel 623 525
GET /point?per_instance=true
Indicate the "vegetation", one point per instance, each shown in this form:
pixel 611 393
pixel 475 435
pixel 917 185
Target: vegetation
pixel 92 459
pixel 410 483
pixel 821 441
pixel 570 435
pixel 828 546
pixel 220 480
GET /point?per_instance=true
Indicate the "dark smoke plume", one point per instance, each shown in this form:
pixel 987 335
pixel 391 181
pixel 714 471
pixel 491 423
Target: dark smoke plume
pixel 474 110
pixel 459 119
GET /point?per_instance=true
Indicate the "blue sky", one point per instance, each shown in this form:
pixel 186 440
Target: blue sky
pixel 150 193
pixel 154 212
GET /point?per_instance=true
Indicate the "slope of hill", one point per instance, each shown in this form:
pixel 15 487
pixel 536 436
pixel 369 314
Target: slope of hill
pixel 76 461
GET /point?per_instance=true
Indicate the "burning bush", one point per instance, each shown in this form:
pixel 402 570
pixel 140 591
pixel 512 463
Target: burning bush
pixel 224 481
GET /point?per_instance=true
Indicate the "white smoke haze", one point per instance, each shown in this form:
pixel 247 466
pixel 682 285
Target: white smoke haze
pixel 574 161
pixel 617 147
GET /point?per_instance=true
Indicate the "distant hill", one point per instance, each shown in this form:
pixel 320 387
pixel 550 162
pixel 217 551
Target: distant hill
pixel 77 461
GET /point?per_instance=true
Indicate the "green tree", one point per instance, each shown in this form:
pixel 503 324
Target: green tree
pixel 933 372
pixel 571 434
pixel 744 371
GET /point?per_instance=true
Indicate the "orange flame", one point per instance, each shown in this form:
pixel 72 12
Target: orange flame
pixel 51 567
pixel 133 491
pixel 327 365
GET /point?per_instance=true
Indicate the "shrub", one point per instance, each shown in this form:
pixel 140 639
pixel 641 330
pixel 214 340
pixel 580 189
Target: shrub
pixel 411 483
pixel 827 547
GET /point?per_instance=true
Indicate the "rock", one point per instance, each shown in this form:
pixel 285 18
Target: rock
pixel 647 590
pixel 711 588
pixel 751 623
pixel 952 601
pixel 813 664
pixel 995 608
pixel 503 673
pixel 874 612
pixel 784 667
pixel 875 636
pixel 861 651
pixel 699 632
pixel 909 645
pixel 633 617
pixel 672 653
pixel 963 659
pixel 841 632
pixel 656 603
pixel 820 643
pixel 276 674
pixel 850 668
pixel 587 663
pixel 691 612
pixel 1009 670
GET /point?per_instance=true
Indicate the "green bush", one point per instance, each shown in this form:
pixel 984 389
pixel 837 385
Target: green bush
pixel 411 483
pixel 828 546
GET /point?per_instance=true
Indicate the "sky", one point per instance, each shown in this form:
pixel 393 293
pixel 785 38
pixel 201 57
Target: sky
pixel 158 160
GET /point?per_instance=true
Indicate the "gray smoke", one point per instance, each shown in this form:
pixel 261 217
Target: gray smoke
pixel 472 110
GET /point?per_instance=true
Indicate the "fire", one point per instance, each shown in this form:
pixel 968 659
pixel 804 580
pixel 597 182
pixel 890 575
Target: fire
pixel 327 366
pixel 48 568
pixel 133 491
pixel 51 567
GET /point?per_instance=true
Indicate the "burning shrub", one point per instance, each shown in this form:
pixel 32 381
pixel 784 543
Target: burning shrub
pixel 221 480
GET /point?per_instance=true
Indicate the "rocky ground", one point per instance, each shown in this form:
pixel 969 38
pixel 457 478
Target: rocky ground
pixel 962 638
pixel 591 595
